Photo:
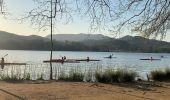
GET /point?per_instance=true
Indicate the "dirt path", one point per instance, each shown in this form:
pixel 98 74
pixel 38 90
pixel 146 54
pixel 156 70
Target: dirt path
pixel 80 91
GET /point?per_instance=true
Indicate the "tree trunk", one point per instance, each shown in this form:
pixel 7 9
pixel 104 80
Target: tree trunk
pixel 51 55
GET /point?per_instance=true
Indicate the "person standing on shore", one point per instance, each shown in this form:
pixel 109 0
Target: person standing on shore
pixel 2 62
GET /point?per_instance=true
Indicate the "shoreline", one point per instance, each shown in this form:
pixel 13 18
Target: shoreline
pixel 59 90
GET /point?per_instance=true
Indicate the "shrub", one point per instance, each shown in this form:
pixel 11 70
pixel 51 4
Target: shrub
pixel 100 77
pixel 40 77
pixel 27 77
pixel 72 76
pixel 126 76
pixel 160 75
pixel 111 76
pixel 76 76
pixel 63 76
pixel 9 78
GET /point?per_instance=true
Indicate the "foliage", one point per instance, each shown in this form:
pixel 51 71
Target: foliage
pixel 160 75
pixel 40 77
pixel 72 76
pixel 111 76
pixel 1 6
pixel 9 78
pixel 126 76
pixel 14 77
pixel 149 17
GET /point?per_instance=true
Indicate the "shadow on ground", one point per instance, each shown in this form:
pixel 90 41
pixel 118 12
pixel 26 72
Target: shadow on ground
pixel 12 94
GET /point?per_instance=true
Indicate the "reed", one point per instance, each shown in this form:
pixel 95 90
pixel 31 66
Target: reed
pixel 127 75
pixel 77 74
pixel 7 78
pixel 73 75
pixel 40 77
pixel 160 75
pixel 112 76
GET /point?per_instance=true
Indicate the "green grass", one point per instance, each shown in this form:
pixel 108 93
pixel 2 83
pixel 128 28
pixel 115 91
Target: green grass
pixel 160 75
pixel 127 76
pixel 40 77
pixel 7 78
pixel 76 76
pixel 14 77
pixel 112 76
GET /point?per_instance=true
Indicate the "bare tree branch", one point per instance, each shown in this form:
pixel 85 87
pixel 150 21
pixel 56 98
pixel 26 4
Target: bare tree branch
pixel 149 17
pixel 1 6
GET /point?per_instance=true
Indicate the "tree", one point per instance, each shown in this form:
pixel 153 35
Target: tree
pixel 149 17
pixel 44 14
pixel 1 6
pixel 3 11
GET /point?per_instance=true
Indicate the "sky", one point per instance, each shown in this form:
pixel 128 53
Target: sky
pixel 17 9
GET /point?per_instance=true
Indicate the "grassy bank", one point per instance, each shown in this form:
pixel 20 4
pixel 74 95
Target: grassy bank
pixel 78 75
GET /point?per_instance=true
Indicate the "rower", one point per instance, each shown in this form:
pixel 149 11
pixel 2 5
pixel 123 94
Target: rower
pixel 162 56
pixel 88 59
pixel 64 57
pixel 110 56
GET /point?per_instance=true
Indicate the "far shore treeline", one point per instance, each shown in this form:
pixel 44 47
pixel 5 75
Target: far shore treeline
pixel 10 41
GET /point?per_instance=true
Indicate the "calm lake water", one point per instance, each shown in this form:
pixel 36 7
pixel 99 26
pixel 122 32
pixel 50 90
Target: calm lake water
pixel 123 60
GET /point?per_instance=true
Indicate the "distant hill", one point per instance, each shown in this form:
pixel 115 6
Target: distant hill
pixel 141 41
pixel 78 37
pixel 10 41
pixel 6 36
pixel 146 45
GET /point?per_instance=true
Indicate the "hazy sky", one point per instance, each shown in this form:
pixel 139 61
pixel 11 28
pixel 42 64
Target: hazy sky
pixel 18 7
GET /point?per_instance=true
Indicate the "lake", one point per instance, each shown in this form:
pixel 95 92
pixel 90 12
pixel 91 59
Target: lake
pixel 123 60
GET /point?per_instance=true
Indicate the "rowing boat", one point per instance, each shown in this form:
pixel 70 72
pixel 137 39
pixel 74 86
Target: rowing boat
pixel 87 60
pixel 61 61
pixel 150 59
pixel 110 57
pixel 13 64
pixel 69 60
